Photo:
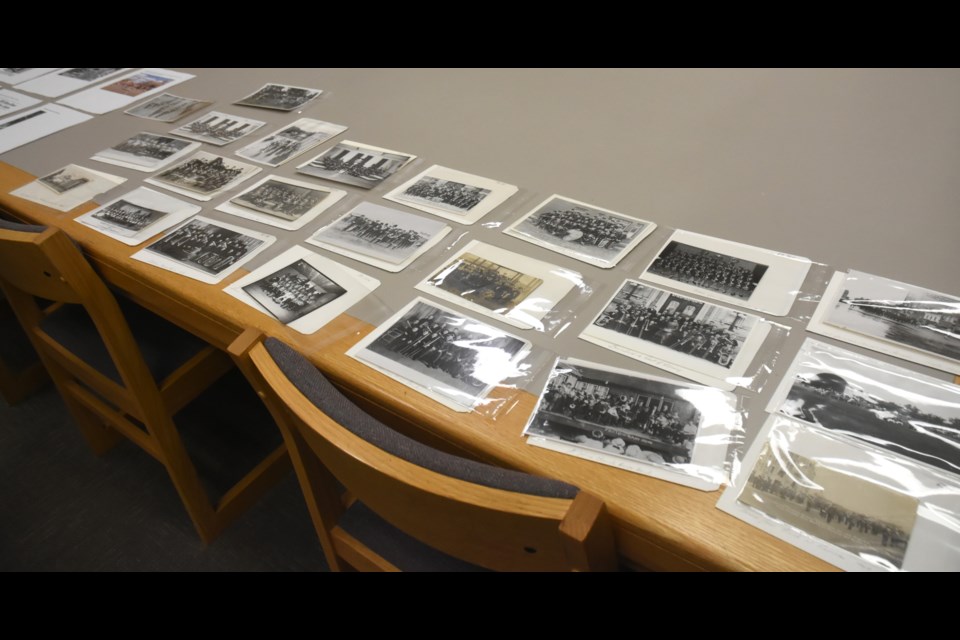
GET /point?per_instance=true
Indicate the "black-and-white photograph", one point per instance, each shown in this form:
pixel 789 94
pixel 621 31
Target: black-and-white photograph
pixel 861 517
pixel 146 151
pixel 128 216
pixel 290 141
pixel 167 107
pixel 281 199
pixel 65 179
pixel 356 164
pixel 282 97
pixel 885 405
pixel 218 128
pixel 709 270
pixel 699 329
pixel 380 232
pixel 448 195
pixel 89 74
pixel 582 231
pixel 294 291
pixel 205 246
pixel 631 416
pixel 899 313
pixel 205 173
pixel 484 282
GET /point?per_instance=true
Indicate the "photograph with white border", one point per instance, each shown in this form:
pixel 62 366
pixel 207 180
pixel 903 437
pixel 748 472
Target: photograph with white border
pixel 282 202
pixel 54 85
pixel 68 187
pixel 11 101
pixel 443 354
pixel 290 141
pixel 146 152
pixel 138 215
pixel 124 91
pixel 204 249
pixel 281 97
pixel 16 75
pixel 218 128
pixel 734 273
pixel 167 107
pixel 452 194
pixel 302 289
pixel 204 176
pixel 592 234
pixel 37 122
pixel 356 164
pixel 384 237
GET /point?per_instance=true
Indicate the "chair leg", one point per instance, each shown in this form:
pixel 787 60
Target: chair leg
pixel 97 433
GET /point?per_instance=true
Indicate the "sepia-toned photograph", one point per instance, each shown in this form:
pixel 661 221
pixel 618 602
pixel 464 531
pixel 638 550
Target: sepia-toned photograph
pixel 294 291
pixel 709 270
pixel 137 84
pixel 899 313
pixel 356 164
pixel 167 107
pixel 861 517
pixel 448 195
pixel 205 173
pixel 65 179
pixel 485 283
pixel 205 246
pixel 128 218
pixel 218 128
pixel 281 199
pixel 619 414
pixel 282 97
pixel 290 141
pixel 146 151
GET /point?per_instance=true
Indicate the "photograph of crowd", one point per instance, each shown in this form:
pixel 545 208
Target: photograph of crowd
pixel 218 128
pixel 205 173
pixel 137 84
pixel 128 216
pixel 294 291
pixel 280 96
pixel 699 329
pixel 444 194
pixel 380 232
pixel 167 107
pixel 485 283
pixel 618 414
pixel 281 199
pixel 861 517
pixel 64 180
pixel 291 141
pixel 146 149
pixel 88 74
pixel 205 246
pixel 709 270
pixel 355 164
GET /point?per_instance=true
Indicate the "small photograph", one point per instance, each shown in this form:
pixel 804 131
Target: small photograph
pixel 356 164
pixel 596 236
pixel 861 517
pixel 899 313
pixel 282 97
pixel 146 151
pixel 294 291
pixel 137 84
pixel 218 128
pixel 167 107
pixel 281 199
pixel 290 141
pixel 138 215
pixel 129 217
pixel 65 179
pixel 89 74
pixel 205 246
pixel 709 270
pixel 78 184
pixel 205 173
pixel 448 195
pixel 485 283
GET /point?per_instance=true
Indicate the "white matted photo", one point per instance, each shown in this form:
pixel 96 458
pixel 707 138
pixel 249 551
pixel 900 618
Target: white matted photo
pixel 167 107
pixel 443 354
pixel 138 215
pixel 698 340
pixel 146 152
pixel 68 187
pixel 204 176
pixel 282 97
pixel 218 128
pixel 303 290
pixel 885 315
pixel 728 271
pixel 204 249
pixel 386 238
pixel 35 123
pixel 290 141
pixel 359 165
pixel 583 231
pixel 501 284
pixel 673 431
pixel 11 101
pixel 15 75
pixel 452 194
pixel 54 85
pixel 903 411
pixel 282 202
pixel 855 507
pixel 125 90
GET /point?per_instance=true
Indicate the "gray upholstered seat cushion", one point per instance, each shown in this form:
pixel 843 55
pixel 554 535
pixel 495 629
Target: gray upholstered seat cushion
pixel 9 225
pixel 328 399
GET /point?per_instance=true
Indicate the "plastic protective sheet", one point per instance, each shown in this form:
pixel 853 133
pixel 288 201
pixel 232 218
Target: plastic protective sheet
pixel 68 187
pixel 646 424
pixel 851 504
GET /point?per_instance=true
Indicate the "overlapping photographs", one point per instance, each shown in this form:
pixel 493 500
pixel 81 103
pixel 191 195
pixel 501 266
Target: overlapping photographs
pixel 138 215
pixel 729 271
pixel 11 101
pixel 204 249
pixel 53 85
pixel 217 128
pixel 501 284
pixel 879 403
pixel 204 176
pixel 594 235
pixel 705 342
pixel 37 122
pixel 129 88
pixel 380 236
pixel 146 152
pixel 290 141
pixel 68 187
pixel 358 165
pixel 282 97
pixel 167 107
pixel 303 290
pixel 451 194
pixel 444 355
pixel 650 425
pixel 282 202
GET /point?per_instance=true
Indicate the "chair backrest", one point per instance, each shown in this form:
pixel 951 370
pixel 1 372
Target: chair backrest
pixel 492 517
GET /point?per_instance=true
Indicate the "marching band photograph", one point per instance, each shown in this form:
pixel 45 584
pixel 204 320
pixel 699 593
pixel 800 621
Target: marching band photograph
pixel 355 164
pixel 709 270
pixel 290 141
pixel 380 232
pixel 282 97
pixel 486 283
pixel 205 173
pixel 294 291
pixel 205 246
pixel 130 217
pixel 145 150
pixel 218 128
pixel 445 194
pixel 281 199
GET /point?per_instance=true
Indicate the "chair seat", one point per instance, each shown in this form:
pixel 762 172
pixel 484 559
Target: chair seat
pixel 165 347
pixel 395 546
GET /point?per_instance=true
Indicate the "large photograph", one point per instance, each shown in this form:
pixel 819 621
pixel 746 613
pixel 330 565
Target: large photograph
pixel 282 97
pixel 356 164
pixel 294 291
pixel 705 269
pixel 290 141
pixel 206 246
pixel 205 174
pixel 218 128
pixel 146 151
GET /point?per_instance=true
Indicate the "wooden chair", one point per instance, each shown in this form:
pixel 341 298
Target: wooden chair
pixel 120 369
pixel 409 506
